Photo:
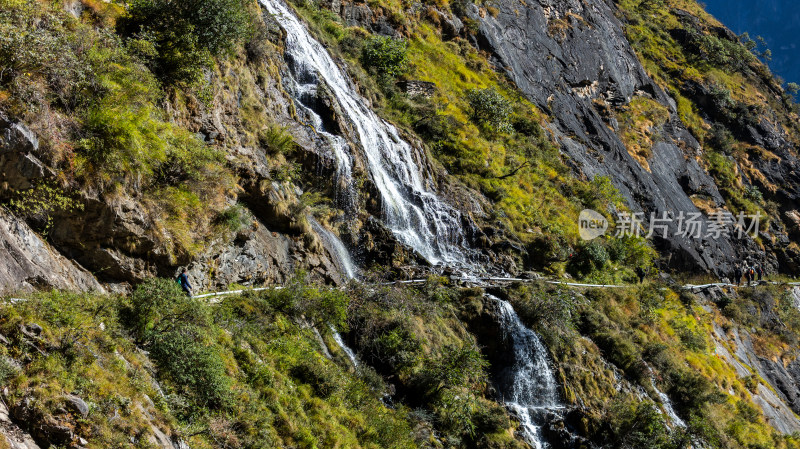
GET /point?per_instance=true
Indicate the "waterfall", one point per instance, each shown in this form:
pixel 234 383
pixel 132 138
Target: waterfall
pixel 349 352
pixel 336 249
pixel 666 404
pixel 415 215
pixel 528 385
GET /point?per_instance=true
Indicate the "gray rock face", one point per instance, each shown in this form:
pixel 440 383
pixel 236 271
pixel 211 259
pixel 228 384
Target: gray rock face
pixel 19 166
pixel 571 58
pixel 13 435
pixel 28 262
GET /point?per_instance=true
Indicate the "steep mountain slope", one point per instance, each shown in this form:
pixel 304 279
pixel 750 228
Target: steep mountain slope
pixel 295 144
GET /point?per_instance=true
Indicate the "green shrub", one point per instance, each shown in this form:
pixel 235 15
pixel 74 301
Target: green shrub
pixel 552 312
pixel 456 367
pixel 692 339
pixel 385 57
pixel 489 108
pixel 589 257
pixel 275 139
pixel 177 330
pixel 40 43
pixel 395 348
pixel 235 218
pixel 159 304
pixel 7 369
pixel 319 376
pixel 322 306
pixel 641 425
pixel 186 34
pixel 125 135
pixel 691 391
pixel 193 366
pixel 40 202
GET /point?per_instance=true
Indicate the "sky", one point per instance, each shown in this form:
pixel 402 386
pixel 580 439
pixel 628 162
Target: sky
pixel 777 21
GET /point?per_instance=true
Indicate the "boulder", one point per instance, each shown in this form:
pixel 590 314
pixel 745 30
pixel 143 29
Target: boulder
pixel 416 88
pixel 77 405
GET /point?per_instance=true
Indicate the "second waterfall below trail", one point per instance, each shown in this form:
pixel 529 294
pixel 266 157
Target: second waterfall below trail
pixel 527 385
pixel 347 350
pixel 336 249
pixel 410 207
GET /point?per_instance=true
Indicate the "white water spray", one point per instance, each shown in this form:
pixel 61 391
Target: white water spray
pixel 666 404
pixel 416 216
pixel 528 385
pixel 336 249
pixel 349 352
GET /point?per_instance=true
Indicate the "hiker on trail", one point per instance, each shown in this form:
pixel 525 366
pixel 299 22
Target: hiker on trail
pixel 737 275
pixel 759 272
pixel 183 279
pixel 641 273
pixel 749 274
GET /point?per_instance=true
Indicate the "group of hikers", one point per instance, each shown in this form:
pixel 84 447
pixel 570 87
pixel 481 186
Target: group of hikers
pixel 751 272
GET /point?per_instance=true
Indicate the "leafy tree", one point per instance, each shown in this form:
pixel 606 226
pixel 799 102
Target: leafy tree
pixel 186 34
pixel 177 330
pixel 488 107
pixel 385 57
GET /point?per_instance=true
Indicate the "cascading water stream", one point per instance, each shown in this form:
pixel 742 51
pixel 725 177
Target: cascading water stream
pixel 416 216
pixel 349 352
pixel 666 404
pixel 336 249
pixel 527 384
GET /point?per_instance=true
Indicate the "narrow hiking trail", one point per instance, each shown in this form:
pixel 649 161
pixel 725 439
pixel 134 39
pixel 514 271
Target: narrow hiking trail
pixel 490 282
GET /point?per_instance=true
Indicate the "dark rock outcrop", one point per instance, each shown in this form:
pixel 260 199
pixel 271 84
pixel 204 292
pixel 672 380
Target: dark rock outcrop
pixel 572 59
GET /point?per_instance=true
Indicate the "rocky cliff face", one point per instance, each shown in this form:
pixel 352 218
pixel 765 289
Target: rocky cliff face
pixel 572 59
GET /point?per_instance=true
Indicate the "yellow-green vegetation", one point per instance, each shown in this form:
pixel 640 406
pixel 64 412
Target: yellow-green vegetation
pixel 659 338
pixel 97 108
pixel 640 123
pixel 81 349
pixel 252 371
pixel 705 69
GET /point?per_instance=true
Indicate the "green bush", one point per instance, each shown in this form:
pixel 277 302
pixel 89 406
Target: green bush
pixel 275 139
pixel 395 348
pixel 322 306
pixel 160 304
pixel 641 425
pixel 42 44
pixel 193 366
pixel 235 218
pixel 177 330
pixel 126 136
pixel 7 369
pixel 489 108
pixel 589 257
pixel 37 204
pixel 186 33
pixel 385 57
pixel 456 367
pixel 552 312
